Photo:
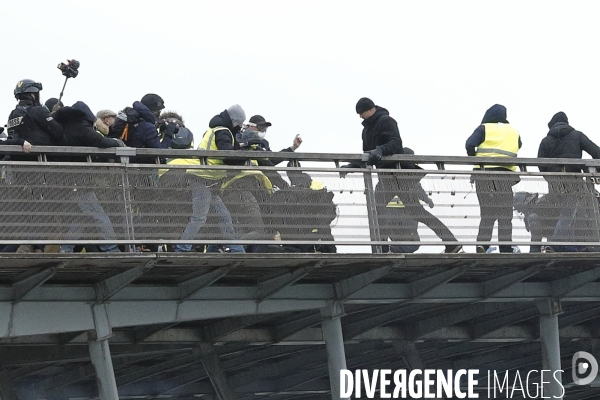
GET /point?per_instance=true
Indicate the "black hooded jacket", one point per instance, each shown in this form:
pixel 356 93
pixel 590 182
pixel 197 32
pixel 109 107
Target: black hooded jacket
pixel 494 115
pixel 78 127
pixel 381 130
pixel 223 139
pixel 563 141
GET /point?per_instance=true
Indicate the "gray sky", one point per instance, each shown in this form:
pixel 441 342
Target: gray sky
pixel 435 65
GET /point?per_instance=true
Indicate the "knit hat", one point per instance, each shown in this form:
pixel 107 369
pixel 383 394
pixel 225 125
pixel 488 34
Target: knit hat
pixel 153 101
pixel 364 104
pixel 558 117
pixel 51 102
pixel 105 114
pixel 237 114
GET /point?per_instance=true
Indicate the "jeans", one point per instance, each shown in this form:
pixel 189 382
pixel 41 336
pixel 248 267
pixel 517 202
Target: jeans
pixel 204 201
pixel 214 248
pixel 89 205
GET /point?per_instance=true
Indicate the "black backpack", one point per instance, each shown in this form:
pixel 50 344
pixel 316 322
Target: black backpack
pixel 126 119
pixel 183 139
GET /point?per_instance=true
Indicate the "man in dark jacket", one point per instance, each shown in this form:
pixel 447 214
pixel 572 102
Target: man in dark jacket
pixel 380 135
pixel 144 134
pixel 569 193
pixel 31 121
pixel 78 125
pixel 495 137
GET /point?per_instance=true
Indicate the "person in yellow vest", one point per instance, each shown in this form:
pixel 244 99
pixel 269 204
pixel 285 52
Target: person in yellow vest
pixel 495 137
pixel 205 183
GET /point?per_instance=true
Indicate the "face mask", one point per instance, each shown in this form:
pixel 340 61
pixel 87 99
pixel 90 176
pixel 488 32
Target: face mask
pixel 262 135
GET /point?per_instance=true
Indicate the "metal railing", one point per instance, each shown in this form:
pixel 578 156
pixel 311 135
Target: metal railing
pixel 57 202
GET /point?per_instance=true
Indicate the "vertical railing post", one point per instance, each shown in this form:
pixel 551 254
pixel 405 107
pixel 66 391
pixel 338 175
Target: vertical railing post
pixel 124 153
pixel 594 199
pixel 374 231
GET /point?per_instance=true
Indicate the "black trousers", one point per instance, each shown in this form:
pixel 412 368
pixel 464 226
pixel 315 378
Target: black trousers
pixel 496 204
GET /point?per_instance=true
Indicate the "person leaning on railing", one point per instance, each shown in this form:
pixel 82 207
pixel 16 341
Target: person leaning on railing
pixel 569 194
pixel 381 137
pixel 78 125
pixel 495 137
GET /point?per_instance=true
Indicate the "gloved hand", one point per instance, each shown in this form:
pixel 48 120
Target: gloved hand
pixel 171 130
pixel 56 107
pixel 430 203
pixel 121 143
pixel 375 156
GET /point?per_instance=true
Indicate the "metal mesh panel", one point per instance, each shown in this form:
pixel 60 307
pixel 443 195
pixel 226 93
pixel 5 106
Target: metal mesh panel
pixel 119 203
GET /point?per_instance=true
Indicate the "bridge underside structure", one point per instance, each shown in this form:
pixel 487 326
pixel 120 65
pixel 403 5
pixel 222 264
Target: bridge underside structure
pixel 254 326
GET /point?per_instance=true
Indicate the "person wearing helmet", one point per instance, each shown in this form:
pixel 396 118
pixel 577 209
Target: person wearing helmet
pixel 30 120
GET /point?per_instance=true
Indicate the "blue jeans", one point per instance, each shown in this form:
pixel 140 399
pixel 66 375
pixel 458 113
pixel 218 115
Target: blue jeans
pixel 89 205
pixel 204 201
pixel 234 248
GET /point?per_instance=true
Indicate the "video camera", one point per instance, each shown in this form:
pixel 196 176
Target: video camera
pixel 69 70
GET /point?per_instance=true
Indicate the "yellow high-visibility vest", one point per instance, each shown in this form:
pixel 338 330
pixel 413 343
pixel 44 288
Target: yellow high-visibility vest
pixel 208 142
pixel 501 140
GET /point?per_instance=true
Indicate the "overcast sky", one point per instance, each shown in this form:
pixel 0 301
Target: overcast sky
pixel 435 65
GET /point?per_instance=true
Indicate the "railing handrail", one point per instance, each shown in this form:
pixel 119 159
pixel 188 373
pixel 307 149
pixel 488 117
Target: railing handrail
pixel 439 161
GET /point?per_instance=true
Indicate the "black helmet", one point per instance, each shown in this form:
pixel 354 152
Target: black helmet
pixel 27 86
pixel 153 101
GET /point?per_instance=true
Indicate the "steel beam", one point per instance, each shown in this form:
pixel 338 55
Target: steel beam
pixel 7 389
pixel 23 287
pixel 409 352
pixel 306 319
pixel 549 335
pixel 495 285
pixel 192 286
pixel 105 374
pixel 274 285
pixel 425 285
pixel 355 325
pixel 334 344
pixel 346 287
pixel 447 318
pixel 481 327
pixel 561 287
pixel 217 376
pixel 111 286
pixel 216 330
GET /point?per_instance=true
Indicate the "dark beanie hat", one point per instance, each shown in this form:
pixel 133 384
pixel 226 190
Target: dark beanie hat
pixel 51 102
pixel 364 104
pixel 558 117
pixel 153 101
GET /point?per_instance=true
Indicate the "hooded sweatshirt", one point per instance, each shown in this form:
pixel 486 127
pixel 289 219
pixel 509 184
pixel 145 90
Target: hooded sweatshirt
pixel 381 130
pixel 223 138
pixel 563 141
pixel 495 114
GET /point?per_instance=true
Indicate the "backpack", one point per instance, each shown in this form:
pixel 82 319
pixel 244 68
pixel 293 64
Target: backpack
pixel 126 119
pixel 183 139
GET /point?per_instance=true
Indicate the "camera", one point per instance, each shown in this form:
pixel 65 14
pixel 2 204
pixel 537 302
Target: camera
pixel 69 70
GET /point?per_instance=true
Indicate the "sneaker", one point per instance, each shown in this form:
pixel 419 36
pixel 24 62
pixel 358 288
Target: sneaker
pixel 453 249
pixel 547 249
pixel 481 249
